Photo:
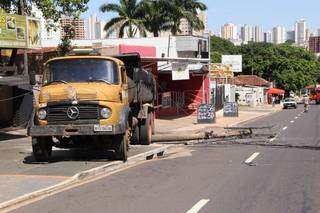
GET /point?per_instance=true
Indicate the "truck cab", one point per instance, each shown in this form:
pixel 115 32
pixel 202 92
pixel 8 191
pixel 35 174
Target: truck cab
pixel 84 100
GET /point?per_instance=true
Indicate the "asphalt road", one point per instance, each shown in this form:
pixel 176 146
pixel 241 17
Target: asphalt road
pixel 20 174
pixel 213 178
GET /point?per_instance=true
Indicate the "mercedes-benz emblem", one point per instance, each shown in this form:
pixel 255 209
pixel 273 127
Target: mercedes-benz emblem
pixel 73 112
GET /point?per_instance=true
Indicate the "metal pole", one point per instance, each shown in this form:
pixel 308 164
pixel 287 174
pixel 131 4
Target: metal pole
pixel 25 51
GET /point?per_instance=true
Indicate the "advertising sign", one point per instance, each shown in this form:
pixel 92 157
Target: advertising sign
pixel 230 109
pixel 206 113
pixel 234 60
pixel 180 71
pixel 13 31
pixel 166 100
pixel 34 33
pixel 221 71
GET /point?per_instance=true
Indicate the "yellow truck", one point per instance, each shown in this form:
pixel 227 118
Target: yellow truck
pixel 93 100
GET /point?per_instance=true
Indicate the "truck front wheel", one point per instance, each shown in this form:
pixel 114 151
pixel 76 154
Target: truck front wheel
pixel 122 146
pixel 42 148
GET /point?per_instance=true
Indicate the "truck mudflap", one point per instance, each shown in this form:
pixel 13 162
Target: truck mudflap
pixel 74 130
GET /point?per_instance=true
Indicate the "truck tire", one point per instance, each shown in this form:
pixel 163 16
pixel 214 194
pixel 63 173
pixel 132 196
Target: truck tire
pixel 122 146
pixel 146 130
pixel 42 148
pixel 153 124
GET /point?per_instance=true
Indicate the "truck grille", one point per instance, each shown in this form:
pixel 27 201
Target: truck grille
pixel 85 114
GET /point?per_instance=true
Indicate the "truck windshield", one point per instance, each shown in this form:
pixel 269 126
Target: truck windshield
pixel 82 70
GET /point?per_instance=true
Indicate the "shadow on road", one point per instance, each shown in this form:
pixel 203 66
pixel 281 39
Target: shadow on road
pixel 6 136
pixel 89 155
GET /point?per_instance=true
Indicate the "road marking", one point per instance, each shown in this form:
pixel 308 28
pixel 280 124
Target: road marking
pixel 196 208
pixel 284 128
pixel 292 121
pixel 252 157
pixel 296 118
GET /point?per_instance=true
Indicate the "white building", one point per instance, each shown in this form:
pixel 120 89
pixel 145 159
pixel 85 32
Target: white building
pixel 258 34
pixel 100 33
pixel 46 34
pixel 301 32
pixel 279 35
pixel 91 32
pixel 247 33
pixel 267 37
pixel 186 28
pixel 229 31
pixel 291 35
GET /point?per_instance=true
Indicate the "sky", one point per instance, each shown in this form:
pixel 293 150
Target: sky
pixel 264 13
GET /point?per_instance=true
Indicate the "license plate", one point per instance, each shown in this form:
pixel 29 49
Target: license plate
pixel 102 128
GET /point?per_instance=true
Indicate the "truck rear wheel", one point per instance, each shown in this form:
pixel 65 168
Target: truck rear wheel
pixel 135 139
pixel 146 130
pixel 122 146
pixel 42 148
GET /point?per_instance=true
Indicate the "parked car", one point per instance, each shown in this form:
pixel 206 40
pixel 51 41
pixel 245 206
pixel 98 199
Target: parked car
pixel 302 98
pixel 289 103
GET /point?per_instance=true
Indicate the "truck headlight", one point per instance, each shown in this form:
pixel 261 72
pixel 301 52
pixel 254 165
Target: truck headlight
pixel 42 114
pixel 105 112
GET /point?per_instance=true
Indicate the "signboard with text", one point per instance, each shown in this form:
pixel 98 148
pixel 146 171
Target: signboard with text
pixel 221 71
pixel 13 31
pixel 206 113
pixel 234 60
pixel 180 71
pixel 230 109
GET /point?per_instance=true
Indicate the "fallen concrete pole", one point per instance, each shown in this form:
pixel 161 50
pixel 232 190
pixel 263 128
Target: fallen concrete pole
pixel 187 136
pixel 178 137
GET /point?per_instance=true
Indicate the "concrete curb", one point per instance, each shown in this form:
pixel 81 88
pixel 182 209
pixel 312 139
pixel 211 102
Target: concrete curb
pixel 80 177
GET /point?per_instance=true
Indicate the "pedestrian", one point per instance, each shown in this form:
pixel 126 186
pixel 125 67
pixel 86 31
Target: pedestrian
pixel 273 100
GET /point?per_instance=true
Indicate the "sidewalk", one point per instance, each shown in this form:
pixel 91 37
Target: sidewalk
pixel 188 124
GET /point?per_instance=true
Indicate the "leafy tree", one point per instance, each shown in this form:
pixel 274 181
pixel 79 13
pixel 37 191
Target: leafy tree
pixel 185 9
pixel 219 47
pixel 291 68
pixel 129 18
pixel 155 16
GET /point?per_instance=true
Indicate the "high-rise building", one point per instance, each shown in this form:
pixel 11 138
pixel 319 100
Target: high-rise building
pixel 229 31
pixel 91 32
pixel 186 29
pixel 203 16
pixel 78 27
pixel 279 35
pixel 258 35
pixel 314 44
pixel 100 33
pixel 301 32
pixel 247 33
pixel 308 35
pixel 267 37
pixel 291 36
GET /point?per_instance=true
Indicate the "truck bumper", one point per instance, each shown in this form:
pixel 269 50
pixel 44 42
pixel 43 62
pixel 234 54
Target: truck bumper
pixel 75 130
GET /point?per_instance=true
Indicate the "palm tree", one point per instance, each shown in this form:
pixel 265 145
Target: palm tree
pixel 187 9
pixel 129 18
pixel 155 15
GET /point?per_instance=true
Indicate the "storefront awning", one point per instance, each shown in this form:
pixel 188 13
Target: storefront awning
pixel 275 91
